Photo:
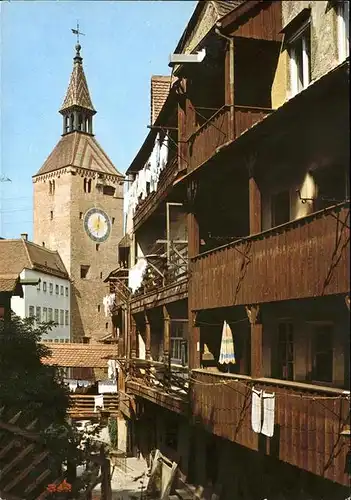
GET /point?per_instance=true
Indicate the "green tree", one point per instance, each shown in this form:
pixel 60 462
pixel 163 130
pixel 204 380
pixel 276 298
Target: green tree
pixel 25 382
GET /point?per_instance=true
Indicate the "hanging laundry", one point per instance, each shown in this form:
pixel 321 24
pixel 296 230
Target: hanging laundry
pixel 256 410
pixel 98 402
pixel 268 413
pixel 111 369
pixel 136 273
pixel 226 354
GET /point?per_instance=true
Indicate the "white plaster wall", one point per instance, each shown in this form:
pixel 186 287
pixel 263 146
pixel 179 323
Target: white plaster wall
pixel 34 297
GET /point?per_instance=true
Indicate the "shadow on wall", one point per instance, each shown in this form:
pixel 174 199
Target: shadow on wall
pixel 77 330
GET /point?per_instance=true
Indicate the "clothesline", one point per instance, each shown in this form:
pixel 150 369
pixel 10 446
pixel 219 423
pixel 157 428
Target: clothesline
pixel 236 381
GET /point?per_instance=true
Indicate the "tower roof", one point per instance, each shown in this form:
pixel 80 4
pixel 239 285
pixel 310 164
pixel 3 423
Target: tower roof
pixel 81 151
pixel 77 94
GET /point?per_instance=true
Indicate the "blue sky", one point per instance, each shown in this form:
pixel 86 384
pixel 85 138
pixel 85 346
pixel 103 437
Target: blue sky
pixel 125 43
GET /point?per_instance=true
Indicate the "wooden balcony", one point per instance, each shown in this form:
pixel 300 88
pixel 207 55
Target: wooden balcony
pixel 307 257
pixel 155 382
pixel 310 422
pixel 82 406
pixel 165 183
pixel 221 128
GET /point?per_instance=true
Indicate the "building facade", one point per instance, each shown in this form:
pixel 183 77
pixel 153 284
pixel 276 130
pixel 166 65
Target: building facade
pixel 45 285
pixel 262 175
pixel 78 208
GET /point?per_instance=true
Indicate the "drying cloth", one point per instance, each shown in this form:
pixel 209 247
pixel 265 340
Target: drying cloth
pixel 111 369
pixel 256 410
pixel 107 387
pixel 98 402
pixel 268 414
pixel 226 354
pixel 136 274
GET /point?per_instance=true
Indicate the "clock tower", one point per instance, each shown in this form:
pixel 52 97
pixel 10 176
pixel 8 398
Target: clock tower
pixel 78 208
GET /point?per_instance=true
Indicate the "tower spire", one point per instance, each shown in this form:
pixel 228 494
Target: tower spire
pixel 77 108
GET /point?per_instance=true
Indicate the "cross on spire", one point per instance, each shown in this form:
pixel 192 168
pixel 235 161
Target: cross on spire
pixel 77 32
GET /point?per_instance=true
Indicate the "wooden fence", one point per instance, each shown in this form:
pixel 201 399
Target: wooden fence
pixel 28 465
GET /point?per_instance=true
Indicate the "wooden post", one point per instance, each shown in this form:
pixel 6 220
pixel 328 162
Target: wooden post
pixel 133 337
pixel 229 87
pixel 183 158
pixel 166 337
pixel 194 331
pixel 147 336
pixel 254 206
pixel 256 340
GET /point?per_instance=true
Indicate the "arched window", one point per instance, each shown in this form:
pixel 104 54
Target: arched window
pixel 50 187
pixel 53 187
pixel 89 186
pixel 80 122
pixel 71 122
pixel 85 185
pixel 66 124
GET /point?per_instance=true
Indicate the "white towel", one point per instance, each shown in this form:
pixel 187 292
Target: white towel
pixel 98 402
pixel 268 414
pixel 256 410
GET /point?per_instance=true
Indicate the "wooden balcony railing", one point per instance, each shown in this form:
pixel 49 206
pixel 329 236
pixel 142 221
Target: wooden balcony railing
pixel 219 129
pixel 307 257
pixel 82 405
pixel 160 383
pixel 309 421
pixel 146 207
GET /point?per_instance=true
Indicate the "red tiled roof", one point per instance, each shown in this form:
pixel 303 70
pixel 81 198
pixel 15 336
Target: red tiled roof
pixel 79 355
pixel 17 255
pixel 160 87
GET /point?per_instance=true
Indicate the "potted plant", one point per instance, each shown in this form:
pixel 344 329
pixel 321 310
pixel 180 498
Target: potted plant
pixel 59 491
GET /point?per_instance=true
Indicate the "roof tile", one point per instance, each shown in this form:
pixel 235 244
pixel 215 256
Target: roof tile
pixel 79 355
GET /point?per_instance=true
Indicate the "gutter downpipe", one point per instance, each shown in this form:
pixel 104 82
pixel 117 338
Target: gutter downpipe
pixel 231 78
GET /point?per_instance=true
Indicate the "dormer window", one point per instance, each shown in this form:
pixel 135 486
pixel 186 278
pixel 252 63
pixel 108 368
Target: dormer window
pixel 300 56
pixel 343 19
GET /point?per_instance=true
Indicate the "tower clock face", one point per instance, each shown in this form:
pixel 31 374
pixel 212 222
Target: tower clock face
pixel 97 224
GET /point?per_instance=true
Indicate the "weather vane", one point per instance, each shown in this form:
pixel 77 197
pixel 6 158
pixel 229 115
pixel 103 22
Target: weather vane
pixel 77 32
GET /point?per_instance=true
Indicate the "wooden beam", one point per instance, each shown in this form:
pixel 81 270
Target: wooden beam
pixel 133 337
pixel 166 336
pixel 254 206
pixel 256 340
pixel 147 336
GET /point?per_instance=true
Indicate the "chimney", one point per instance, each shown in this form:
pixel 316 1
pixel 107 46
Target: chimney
pixel 24 236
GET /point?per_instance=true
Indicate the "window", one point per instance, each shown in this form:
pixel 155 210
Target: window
pixel 300 56
pixel 31 311
pixel 57 289
pixel 87 185
pixel 285 364
pixel 43 243
pixel 280 208
pixel 178 344
pixel 51 288
pixel 113 220
pixel 84 271
pixel 51 214
pixel 81 215
pixel 56 316
pixel 322 353
pixel 39 285
pixel 44 286
pixel 106 326
pixel 45 314
pixel 97 246
pixel 66 318
pixel 66 289
pixel 101 276
pixel 38 314
pixel 108 190
pixel 343 17
pixel 99 308
pixel 62 317
pixel 61 290
pixel 49 314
